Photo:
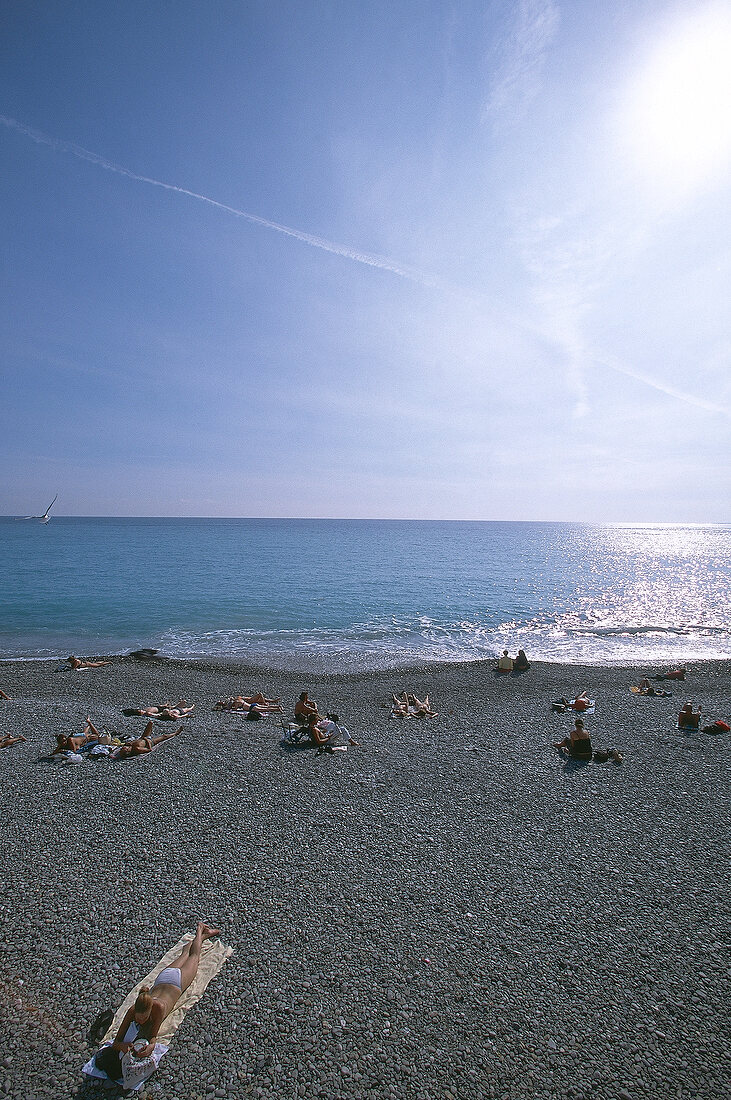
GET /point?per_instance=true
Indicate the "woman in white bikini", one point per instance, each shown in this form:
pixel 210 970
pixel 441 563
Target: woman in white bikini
pixel 154 1005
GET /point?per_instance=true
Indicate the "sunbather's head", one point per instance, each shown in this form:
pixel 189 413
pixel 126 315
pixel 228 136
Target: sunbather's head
pixel 143 1005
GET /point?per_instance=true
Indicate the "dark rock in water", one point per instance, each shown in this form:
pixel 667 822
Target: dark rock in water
pixel 142 654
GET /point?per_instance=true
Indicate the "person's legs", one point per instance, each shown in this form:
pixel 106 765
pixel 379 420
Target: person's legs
pixel 163 736
pixel 191 956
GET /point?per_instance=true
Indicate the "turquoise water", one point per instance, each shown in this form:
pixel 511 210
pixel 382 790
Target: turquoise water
pixel 347 594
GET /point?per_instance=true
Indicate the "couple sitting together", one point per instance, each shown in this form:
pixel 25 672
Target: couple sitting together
pixel 508 664
pixel 326 733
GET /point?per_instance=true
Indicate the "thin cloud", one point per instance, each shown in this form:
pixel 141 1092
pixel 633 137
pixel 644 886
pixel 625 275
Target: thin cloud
pixel 383 263
pixel 568 273
pixel 517 75
pixel 663 387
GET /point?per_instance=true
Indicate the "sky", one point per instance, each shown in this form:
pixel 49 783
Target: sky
pixel 401 259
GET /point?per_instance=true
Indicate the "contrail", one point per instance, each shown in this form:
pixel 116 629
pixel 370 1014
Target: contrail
pixel 662 387
pixel 368 258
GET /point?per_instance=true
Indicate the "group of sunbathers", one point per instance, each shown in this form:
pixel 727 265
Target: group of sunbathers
pixel 407 705
pixel 90 742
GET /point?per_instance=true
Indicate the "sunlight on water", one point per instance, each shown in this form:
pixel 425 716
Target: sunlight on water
pixel 356 594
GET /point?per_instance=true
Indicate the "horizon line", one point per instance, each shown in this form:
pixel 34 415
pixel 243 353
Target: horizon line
pixel 388 519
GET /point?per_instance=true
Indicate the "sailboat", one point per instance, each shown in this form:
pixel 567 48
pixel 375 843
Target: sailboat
pixel 45 518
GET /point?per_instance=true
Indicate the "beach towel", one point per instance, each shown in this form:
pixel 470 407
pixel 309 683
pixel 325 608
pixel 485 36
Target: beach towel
pixel 213 955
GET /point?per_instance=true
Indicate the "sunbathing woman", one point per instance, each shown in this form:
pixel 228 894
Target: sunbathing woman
pixel 244 702
pixel 75 662
pixel 646 688
pixel 4 696
pixel 153 1005
pixel 400 708
pixel 8 740
pixel 72 743
pixel 581 702
pixel 144 744
pixel 165 712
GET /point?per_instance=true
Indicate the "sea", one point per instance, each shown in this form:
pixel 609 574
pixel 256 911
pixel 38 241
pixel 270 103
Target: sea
pixel 349 595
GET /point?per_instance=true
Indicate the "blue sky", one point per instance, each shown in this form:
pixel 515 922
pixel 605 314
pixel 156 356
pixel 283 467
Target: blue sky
pixel 410 259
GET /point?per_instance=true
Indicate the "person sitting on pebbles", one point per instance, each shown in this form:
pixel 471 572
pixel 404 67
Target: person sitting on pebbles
pixel 142 745
pixel 8 740
pixel 689 719
pixel 76 662
pixel 521 662
pixel 304 709
pixel 328 734
pixel 154 1004
pixel 579 747
pixel 505 664
pixel 245 702
pixel 165 712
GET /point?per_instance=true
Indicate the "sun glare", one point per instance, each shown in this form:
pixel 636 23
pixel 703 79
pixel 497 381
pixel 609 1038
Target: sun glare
pixel 677 116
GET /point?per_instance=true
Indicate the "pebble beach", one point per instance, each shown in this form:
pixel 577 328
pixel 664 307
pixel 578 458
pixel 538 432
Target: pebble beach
pixel 451 910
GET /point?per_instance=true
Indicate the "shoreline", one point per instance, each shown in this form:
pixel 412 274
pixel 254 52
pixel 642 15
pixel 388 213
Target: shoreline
pixel 224 662
pixel 450 910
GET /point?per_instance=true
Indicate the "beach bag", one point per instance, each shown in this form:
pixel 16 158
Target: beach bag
pixel 108 1061
pixel 136 1070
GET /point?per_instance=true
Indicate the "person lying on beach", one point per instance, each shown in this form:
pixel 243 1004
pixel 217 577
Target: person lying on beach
pixel 244 702
pixel 689 719
pixel 165 712
pixel 76 662
pixel 578 746
pixel 4 696
pixel 676 674
pixel 144 744
pixel 305 708
pixel 646 688
pixel 75 742
pixel 505 664
pixel 582 702
pixel 8 740
pixel 153 1005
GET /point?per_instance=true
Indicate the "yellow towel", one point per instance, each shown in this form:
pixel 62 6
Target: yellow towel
pixel 213 956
